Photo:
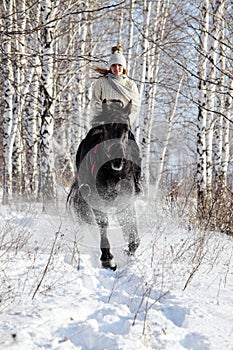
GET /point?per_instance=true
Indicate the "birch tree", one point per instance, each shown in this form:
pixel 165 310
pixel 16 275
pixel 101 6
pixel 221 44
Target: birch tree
pixel 167 137
pixel 214 116
pixel 145 48
pixel 158 24
pixel 213 74
pixel 9 124
pixel 202 112
pixel 32 116
pixel 221 147
pixel 49 10
pixel 23 79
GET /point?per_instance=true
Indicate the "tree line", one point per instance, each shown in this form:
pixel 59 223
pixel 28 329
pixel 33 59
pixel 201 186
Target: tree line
pixel 178 53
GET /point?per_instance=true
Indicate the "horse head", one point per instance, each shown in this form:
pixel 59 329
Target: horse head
pixel 114 110
pixel 116 130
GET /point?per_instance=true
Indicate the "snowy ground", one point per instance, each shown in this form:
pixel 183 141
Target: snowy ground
pixel 177 293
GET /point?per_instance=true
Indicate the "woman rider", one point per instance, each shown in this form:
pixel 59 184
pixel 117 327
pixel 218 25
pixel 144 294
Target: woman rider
pixel 114 84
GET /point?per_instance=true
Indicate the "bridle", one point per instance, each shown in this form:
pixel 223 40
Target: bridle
pixel 96 148
pixel 94 160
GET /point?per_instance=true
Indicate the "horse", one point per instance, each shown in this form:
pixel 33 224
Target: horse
pixel 107 163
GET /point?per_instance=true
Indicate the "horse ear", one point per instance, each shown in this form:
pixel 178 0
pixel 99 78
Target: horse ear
pixel 128 108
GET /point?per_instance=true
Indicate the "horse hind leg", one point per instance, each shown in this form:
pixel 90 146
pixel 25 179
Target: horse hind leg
pixel 107 259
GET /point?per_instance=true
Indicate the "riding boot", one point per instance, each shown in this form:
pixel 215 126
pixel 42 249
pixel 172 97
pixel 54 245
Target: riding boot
pixel 137 180
pixel 137 166
pixel 138 186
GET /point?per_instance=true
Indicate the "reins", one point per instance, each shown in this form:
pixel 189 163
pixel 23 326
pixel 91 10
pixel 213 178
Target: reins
pixel 94 161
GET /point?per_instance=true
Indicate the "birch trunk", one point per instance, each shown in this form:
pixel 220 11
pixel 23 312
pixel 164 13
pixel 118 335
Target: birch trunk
pixel 222 130
pixel 213 56
pixel 145 47
pixel 146 73
pixel 47 170
pixel 32 120
pixel 80 95
pixel 32 128
pixel 159 24
pixel 131 37
pixel 219 124
pixel 226 133
pixel 202 113
pixel 87 49
pixel 22 79
pixel 168 137
pixel 8 122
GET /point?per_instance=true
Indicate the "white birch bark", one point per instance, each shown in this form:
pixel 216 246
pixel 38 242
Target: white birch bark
pixel 33 120
pixel 202 114
pixel 47 176
pixel 144 88
pixel 145 47
pixel 145 44
pixel 220 105
pixel 228 105
pixel 33 126
pixel 22 80
pixel 80 95
pixel 159 24
pixel 227 123
pixel 87 49
pixel 121 25
pixel 168 137
pixel 8 122
pixel 131 37
pixel 213 56
pixel 222 130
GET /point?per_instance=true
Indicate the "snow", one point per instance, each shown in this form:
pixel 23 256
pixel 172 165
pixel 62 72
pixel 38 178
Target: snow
pixel 176 293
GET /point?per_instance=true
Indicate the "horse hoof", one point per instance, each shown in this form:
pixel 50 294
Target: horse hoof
pixel 132 247
pixel 109 264
pixel 129 253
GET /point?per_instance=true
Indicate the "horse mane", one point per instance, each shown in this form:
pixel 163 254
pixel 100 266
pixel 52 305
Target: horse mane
pixel 113 112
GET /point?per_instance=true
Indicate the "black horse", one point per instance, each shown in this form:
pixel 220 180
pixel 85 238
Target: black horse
pixel 108 166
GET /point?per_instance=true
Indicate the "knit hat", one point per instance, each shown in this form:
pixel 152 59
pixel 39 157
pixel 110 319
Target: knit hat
pixel 117 57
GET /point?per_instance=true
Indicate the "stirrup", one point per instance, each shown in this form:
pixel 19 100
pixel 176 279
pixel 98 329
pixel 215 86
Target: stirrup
pixel 138 187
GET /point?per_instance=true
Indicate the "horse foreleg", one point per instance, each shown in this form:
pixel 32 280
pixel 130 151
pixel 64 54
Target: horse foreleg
pixel 128 222
pixel 106 258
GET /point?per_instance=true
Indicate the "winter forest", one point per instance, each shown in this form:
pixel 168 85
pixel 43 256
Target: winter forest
pixel 176 291
pixel 180 56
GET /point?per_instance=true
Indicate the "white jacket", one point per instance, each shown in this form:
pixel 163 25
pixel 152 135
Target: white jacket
pixel 102 89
